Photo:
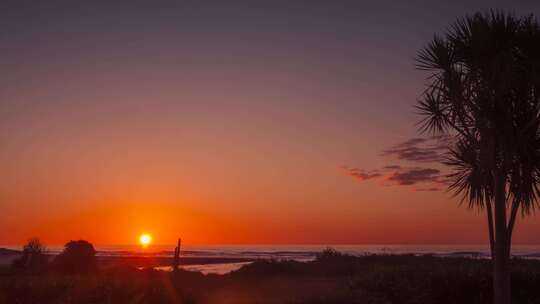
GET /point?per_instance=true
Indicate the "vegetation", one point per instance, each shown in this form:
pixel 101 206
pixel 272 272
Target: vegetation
pixel 484 92
pixel 78 257
pixel 334 278
pixel 33 258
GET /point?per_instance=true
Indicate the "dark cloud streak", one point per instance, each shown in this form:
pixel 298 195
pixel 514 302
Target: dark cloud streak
pixel 361 174
pixel 414 176
pixel 423 150
pixel 416 150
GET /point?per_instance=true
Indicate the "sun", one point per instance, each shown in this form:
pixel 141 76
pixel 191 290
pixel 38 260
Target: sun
pixel 145 239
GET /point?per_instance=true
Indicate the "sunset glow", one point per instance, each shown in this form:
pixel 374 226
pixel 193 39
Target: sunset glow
pixel 224 152
pixel 297 130
pixel 145 240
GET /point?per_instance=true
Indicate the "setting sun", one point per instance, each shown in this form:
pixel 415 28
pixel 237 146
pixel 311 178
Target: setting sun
pixel 145 239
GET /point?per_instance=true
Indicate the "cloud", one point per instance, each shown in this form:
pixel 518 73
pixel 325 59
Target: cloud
pixel 412 142
pixel 423 150
pixel 417 150
pixel 431 189
pixel 361 174
pixel 430 178
pixel 413 176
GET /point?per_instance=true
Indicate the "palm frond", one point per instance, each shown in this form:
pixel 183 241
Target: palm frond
pixel 484 87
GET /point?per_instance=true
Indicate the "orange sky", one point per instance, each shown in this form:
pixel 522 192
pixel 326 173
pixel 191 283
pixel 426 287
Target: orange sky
pixel 222 124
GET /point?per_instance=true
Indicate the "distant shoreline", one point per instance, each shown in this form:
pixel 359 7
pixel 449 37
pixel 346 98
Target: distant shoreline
pixel 8 255
pixel 211 255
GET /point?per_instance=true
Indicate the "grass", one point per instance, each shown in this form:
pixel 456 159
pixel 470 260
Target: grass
pixel 331 278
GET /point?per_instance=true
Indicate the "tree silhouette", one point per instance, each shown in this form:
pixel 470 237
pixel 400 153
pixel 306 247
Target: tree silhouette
pixel 78 257
pixel 484 90
pixel 33 258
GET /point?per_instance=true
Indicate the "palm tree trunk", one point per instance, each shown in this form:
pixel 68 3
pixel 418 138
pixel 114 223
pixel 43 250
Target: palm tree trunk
pixel 511 223
pixel 490 229
pixel 501 273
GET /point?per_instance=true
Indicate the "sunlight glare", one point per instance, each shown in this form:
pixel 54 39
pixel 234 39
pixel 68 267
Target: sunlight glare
pixel 145 239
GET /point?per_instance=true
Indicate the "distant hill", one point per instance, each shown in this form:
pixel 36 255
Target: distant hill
pixel 5 251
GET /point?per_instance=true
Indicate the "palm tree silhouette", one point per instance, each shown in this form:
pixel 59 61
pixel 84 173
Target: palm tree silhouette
pixel 484 91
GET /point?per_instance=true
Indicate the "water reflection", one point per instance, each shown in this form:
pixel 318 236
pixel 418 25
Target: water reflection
pixel 208 268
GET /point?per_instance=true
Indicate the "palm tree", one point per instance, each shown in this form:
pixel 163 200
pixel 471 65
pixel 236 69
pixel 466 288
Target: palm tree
pixel 484 91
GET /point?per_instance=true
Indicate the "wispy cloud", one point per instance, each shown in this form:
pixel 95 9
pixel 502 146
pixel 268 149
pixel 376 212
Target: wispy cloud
pixel 361 174
pixel 412 176
pixel 431 189
pixel 418 149
pixel 397 175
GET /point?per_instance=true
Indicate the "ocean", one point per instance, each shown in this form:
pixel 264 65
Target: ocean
pixel 309 252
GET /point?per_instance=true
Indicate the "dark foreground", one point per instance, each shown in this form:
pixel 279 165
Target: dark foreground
pixel 332 278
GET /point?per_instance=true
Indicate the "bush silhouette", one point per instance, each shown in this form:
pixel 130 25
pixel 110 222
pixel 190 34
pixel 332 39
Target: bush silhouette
pixel 78 257
pixel 329 253
pixel 33 259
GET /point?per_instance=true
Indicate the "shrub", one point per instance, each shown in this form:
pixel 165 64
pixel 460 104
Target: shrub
pixel 33 258
pixel 78 257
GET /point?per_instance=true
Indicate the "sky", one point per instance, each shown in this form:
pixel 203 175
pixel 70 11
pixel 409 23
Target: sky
pixel 226 122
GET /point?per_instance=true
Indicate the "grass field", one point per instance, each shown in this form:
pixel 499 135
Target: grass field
pixel 332 278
